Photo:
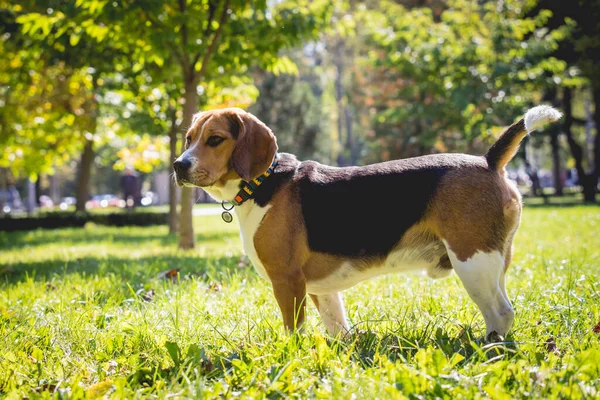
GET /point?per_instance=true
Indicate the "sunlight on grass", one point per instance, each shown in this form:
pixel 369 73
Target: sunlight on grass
pixel 83 312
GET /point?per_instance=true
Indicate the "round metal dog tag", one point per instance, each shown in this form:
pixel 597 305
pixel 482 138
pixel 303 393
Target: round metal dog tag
pixel 227 217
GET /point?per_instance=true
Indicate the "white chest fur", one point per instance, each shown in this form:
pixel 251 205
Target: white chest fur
pixel 249 217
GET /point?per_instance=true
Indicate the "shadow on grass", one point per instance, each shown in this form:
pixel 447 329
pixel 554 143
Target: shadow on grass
pixel 364 348
pixel 18 240
pixel 128 270
pixel 404 345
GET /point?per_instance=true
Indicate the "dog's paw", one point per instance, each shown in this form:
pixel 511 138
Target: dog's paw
pixel 494 337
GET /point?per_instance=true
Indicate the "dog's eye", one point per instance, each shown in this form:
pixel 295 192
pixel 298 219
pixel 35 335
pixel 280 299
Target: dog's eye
pixel 214 141
pixel 188 140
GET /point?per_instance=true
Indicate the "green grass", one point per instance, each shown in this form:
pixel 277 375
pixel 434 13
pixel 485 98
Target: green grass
pixel 75 321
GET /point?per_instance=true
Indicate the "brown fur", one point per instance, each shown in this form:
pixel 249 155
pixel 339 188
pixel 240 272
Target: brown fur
pixel 479 202
pixel 475 211
pixel 506 146
pixel 281 245
pixel 257 137
pixel 246 152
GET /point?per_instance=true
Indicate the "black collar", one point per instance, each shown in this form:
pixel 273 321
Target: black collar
pixel 249 187
pixel 247 190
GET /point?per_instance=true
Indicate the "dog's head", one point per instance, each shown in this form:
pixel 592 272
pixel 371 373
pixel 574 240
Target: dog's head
pixel 222 145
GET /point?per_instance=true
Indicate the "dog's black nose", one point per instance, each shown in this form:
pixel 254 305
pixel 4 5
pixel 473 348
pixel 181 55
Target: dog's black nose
pixel 182 165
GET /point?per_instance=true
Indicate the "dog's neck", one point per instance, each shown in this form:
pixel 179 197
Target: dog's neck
pixel 225 192
pixel 241 194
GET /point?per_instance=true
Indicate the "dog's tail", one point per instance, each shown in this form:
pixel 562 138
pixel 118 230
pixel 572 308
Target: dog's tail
pixel 507 144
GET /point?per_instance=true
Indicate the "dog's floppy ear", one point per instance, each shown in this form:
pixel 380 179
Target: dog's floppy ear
pixel 255 146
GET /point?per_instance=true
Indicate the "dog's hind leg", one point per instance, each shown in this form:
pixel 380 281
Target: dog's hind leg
pixel 331 309
pixel 483 276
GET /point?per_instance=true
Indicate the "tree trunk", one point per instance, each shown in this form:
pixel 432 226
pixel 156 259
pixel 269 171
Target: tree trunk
pixel 186 227
pixel 38 190
pixel 594 164
pixel 85 173
pixel 352 143
pixel 173 217
pixel 31 203
pixel 54 188
pixel 556 169
pixel 589 129
pixel 191 78
pixel 536 187
pixel 3 190
pixel 585 180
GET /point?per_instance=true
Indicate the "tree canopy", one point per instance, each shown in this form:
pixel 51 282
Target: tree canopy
pixel 439 83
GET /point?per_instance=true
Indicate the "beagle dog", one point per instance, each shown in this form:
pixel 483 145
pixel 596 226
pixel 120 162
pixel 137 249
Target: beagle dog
pixel 314 229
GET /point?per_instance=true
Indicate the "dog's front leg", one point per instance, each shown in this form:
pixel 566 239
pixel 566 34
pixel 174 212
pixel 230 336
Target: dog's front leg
pixel 290 292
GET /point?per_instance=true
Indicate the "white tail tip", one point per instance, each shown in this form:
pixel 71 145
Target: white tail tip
pixel 539 116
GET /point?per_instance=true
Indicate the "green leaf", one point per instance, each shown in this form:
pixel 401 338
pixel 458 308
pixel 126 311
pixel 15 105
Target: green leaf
pixel 174 352
pixel 74 39
pixel 456 358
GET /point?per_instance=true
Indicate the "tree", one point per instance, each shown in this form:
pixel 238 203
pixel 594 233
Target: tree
pixel 207 39
pixel 42 99
pixel 581 52
pixel 295 108
pixel 38 101
pixel 439 86
pixel 152 106
pixel 55 41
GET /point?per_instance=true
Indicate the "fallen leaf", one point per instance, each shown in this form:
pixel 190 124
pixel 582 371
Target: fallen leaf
pixel 170 274
pixel 596 328
pixel 207 364
pixel 111 367
pixel 46 387
pixel 551 346
pixel 148 295
pixel 100 389
pixel 215 286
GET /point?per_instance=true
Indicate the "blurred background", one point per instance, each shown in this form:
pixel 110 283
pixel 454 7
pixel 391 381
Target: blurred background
pixel 96 95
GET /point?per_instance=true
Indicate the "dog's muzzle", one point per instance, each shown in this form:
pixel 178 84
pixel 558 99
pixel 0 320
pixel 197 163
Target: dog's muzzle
pixel 187 175
pixel 182 170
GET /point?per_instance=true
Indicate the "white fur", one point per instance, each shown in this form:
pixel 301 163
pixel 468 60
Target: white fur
pixel 189 153
pixel 483 277
pixel 332 311
pixel 249 217
pixel 538 116
pixel 226 192
pixel 349 275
